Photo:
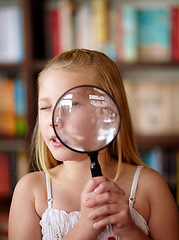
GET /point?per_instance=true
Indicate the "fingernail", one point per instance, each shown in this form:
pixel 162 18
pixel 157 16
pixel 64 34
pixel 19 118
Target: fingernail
pixel 95 225
pixel 97 190
pixel 88 203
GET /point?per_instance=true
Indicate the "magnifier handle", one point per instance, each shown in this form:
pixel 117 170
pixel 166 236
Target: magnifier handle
pixel 95 167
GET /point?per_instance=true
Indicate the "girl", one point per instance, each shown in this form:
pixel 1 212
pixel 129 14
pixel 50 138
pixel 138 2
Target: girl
pixel 62 201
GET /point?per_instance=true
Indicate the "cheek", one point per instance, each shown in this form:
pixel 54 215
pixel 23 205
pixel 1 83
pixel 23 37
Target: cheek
pixel 42 127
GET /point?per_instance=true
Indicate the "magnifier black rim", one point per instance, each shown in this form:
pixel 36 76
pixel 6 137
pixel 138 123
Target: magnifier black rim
pixel 88 152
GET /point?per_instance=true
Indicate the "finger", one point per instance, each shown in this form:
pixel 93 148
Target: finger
pixel 103 198
pixel 110 219
pixel 103 211
pixel 108 186
pixel 93 183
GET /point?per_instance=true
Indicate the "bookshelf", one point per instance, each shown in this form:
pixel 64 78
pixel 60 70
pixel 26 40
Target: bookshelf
pixel 36 54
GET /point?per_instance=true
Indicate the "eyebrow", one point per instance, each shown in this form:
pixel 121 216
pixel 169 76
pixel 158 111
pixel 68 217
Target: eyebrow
pixel 43 99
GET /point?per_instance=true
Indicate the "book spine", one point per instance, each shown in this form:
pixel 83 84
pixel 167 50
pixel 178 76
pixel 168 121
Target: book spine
pixel 5 175
pixel 20 107
pixel 11 41
pixel 54 24
pixel 7 108
pixel 154 34
pixel 175 33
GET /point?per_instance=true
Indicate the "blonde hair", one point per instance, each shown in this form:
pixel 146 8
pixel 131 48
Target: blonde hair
pixel 97 66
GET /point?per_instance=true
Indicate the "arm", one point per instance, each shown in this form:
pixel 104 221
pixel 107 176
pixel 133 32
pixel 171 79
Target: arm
pixel 84 229
pixel 112 206
pixel 164 218
pixel 23 218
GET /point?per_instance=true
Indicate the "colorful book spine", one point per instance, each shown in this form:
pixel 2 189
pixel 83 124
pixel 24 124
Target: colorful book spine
pixel 20 107
pixel 7 108
pixel 127 33
pixel 11 40
pixel 100 23
pixel 154 34
pixel 13 107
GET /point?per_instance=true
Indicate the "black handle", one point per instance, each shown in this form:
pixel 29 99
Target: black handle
pixel 95 167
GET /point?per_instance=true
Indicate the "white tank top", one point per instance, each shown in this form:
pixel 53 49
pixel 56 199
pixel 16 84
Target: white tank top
pixel 57 223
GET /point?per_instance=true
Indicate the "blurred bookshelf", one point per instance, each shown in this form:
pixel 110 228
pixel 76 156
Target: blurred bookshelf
pixel 111 26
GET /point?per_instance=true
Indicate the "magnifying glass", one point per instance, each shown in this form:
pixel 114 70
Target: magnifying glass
pixel 86 119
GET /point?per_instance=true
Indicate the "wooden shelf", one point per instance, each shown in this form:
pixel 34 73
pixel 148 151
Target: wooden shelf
pixel 147 65
pixel 12 143
pixel 165 141
pixel 11 66
pixel 38 64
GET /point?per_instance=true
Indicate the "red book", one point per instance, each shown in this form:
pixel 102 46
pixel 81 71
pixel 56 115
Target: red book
pixel 175 33
pixel 55 29
pixel 5 175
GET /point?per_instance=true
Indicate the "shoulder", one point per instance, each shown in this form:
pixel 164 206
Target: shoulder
pixel 31 182
pixel 162 206
pixel 30 191
pixel 153 182
pixel 23 210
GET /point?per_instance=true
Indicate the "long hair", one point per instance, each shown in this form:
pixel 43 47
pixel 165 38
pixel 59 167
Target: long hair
pixel 94 65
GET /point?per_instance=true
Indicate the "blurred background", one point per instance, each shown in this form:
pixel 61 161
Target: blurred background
pixel 141 37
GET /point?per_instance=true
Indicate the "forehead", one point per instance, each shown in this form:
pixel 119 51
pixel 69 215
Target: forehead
pixel 56 82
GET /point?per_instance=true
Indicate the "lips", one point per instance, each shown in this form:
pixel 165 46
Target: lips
pixel 55 141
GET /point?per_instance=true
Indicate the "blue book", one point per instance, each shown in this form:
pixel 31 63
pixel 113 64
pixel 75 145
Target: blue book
pixel 154 34
pixel 20 107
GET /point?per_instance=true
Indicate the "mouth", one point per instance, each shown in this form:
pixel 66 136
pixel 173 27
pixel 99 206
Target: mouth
pixel 55 139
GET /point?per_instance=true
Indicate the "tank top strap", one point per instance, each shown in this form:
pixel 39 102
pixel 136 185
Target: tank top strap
pixel 49 192
pixel 134 186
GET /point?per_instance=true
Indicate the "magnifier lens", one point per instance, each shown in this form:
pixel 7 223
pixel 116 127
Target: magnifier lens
pixel 86 119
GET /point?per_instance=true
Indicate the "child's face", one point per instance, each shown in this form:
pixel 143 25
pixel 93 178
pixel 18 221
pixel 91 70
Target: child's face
pixel 52 85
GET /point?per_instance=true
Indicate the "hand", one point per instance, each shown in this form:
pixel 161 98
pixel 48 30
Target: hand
pixel 109 205
pixel 88 194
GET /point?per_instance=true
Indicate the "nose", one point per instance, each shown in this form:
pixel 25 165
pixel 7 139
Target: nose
pixel 57 122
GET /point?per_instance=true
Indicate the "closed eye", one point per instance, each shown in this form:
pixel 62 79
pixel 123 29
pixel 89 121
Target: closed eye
pixel 45 108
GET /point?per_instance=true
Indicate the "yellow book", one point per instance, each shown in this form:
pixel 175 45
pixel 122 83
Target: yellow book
pixel 100 23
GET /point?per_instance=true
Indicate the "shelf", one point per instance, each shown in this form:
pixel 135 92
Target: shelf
pixel 39 64
pixel 12 143
pixel 147 65
pixel 10 66
pixel 165 141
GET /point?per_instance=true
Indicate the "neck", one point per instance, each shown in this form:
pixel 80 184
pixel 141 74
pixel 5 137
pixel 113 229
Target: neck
pixel 77 169
pixel 80 169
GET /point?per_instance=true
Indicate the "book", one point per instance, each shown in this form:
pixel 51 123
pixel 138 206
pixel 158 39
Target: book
pixel 66 25
pixel 5 175
pixel 154 34
pixel 20 106
pixel 11 40
pixel 7 107
pixel 100 24
pixel 83 35
pixel 175 33
pixel 153 106
pixel 126 33
pixel 174 107
pixel 55 31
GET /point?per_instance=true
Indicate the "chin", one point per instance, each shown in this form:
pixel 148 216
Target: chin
pixel 67 155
